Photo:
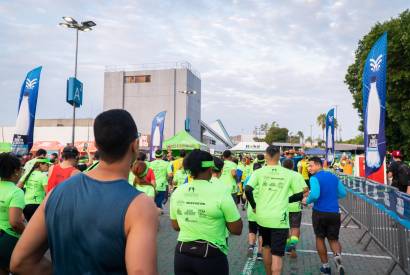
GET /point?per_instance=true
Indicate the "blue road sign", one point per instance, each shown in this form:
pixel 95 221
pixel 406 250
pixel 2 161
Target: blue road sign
pixel 74 92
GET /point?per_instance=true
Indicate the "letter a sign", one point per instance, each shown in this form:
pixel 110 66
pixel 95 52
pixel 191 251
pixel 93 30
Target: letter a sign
pixel 74 92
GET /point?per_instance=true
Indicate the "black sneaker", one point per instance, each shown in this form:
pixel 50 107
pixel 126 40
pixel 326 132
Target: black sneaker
pixel 339 266
pixel 250 251
pixel 259 257
pixel 325 270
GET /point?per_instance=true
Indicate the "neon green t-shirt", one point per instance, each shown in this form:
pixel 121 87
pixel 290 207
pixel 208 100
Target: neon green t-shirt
pixel 273 184
pixel 296 206
pixel 160 167
pixel 202 210
pixel 227 177
pixel 180 177
pixel 34 185
pixel 215 180
pixel 10 197
pixel 131 178
pixel 149 190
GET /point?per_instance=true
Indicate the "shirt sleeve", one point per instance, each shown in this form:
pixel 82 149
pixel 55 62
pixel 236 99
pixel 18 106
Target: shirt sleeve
pixel 229 208
pixel 17 199
pixel 296 185
pixel 314 190
pixel 341 190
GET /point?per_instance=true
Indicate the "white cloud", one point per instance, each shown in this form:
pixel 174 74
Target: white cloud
pixel 260 61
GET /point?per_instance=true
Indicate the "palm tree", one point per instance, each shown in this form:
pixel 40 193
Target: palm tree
pixel 321 122
pixel 301 136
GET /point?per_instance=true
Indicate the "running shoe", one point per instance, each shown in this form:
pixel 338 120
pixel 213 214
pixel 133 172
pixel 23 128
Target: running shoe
pixel 339 266
pixel 259 257
pixel 250 251
pixel 325 270
pixel 293 253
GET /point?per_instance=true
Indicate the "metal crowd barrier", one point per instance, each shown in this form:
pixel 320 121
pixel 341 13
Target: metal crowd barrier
pixel 383 213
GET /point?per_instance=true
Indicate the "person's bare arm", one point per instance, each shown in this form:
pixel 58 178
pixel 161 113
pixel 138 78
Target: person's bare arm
pixel 141 227
pixel 16 219
pixel 233 173
pixel 28 255
pixel 175 225
pixel 408 189
pixel 235 227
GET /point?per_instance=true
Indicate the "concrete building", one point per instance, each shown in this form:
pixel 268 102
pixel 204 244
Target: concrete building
pixel 145 90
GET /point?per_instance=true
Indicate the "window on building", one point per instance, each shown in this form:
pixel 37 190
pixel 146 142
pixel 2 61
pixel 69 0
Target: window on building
pixel 137 78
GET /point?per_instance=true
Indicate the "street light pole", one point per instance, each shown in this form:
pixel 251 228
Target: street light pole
pixel 71 23
pixel 75 76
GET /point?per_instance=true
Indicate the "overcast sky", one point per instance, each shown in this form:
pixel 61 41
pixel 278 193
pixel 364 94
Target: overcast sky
pixel 260 61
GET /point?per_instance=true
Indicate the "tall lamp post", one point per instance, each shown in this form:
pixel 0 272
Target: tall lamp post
pixel 187 93
pixel 85 26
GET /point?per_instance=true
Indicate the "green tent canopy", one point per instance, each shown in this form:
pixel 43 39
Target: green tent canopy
pixel 5 147
pixel 182 140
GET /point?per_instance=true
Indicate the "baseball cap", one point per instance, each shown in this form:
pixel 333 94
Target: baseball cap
pixel 396 154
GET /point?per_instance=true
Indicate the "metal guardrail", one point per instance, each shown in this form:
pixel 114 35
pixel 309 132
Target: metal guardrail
pixel 384 214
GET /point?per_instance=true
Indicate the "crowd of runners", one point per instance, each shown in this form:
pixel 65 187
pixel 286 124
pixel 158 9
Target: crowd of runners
pixel 104 218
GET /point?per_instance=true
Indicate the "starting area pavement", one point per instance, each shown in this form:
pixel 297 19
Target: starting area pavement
pixel 355 260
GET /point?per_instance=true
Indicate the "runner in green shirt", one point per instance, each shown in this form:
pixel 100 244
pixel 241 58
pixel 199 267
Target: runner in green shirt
pixel 41 153
pixel 160 168
pixel 36 186
pixel 201 211
pixel 181 177
pixel 11 208
pixel 252 225
pixel 229 173
pixel 273 184
pixel 295 211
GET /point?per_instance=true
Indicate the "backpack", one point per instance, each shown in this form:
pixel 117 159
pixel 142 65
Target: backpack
pixel 403 174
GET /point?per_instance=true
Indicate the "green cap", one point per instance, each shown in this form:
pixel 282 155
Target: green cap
pixel 208 164
pixel 47 161
pixel 158 154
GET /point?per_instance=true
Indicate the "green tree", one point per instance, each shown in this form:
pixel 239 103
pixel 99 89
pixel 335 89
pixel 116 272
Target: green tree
pixel 309 140
pixel 397 82
pixel 321 122
pixel 276 134
pixel 359 139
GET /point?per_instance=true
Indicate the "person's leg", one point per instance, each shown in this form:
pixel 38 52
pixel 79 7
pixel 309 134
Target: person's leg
pixel 159 198
pixel 276 265
pixel 267 259
pixel 333 238
pixel 182 264
pixel 335 247
pixel 259 245
pixel 7 244
pixel 321 250
pixel 278 245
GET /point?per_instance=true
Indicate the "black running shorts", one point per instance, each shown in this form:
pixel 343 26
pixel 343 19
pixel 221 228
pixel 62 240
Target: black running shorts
pixel 326 225
pixel 275 238
pixel 253 227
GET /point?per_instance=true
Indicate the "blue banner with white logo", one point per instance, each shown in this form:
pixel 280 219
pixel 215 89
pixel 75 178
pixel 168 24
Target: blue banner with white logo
pixel 157 133
pixel 330 136
pixel 23 133
pixel 374 102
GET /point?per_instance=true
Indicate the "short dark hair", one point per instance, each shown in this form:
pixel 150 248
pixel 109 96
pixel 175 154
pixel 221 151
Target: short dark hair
pixel 260 157
pixel 316 160
pixel 70 152
pixel 288 163
pixel 227 154
pixel 193 162
pixel 272 150
pixel 9 163
pixel 54 155
pixel 97 155
pixel 41 152
pixel 182 153
pixel 114 131
pixel 219 164
pixel 141 156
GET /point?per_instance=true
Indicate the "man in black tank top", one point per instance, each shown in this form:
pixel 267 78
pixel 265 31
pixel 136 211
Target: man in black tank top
pixel 109 233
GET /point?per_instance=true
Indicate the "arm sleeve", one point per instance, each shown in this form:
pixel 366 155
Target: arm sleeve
pixel 314 190
pixel 341 190
pixel 44 180
pixel 229 208
pixel 249 196
pixel 17 199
